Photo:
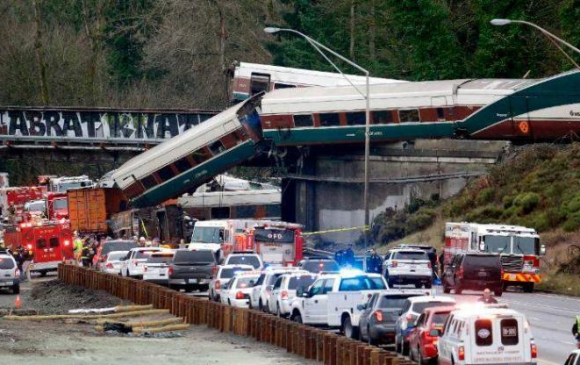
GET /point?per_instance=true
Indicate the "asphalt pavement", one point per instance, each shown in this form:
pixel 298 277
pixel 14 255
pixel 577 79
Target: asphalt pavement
pixel 550 316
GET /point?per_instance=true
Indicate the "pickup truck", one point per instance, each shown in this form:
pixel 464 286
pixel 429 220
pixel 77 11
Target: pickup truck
pixel 192 269
pixel 333 300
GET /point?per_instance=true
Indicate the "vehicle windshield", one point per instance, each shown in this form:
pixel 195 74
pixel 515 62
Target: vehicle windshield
pixel 160 259
pixel 439 319
pixel 318 266
pixel 60 204
pixel 195 257
pixel 244 260
pixel 274 235
pixel 6 263
pixel 362 283
pixel 37 206
pixel 229 273
pixel 393 301
pixel 117 246
pixel 297 281
pixel 410 255
pixel 207 235
pixel 247 282
pixel 420 307
pixel 116 255
pixel 497 244
pixel 526 245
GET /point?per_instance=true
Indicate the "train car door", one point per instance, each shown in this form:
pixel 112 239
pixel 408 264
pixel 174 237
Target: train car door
pixel 521 125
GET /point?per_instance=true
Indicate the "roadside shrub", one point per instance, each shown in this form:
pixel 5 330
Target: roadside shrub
pixel 420 220
pixel 507 201
pixel 512 211
pixel 574 204
pixel 527 201
pixel 572 223
pixel 487 214
pixel 485 196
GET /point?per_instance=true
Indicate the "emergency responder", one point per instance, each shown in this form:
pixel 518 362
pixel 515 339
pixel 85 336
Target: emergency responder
pixel 143 242
pixel 19 257
pixel 349 255
pixel 374 262
pixel 487 298
pixel 86 254
pixel 576 328
pixel 77 246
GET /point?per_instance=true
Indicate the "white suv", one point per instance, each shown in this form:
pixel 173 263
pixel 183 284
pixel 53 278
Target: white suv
pixel 284 291
pixel 134 262
pixel 224 274
pixel 408 266
pixel 245 259
pixel 261 293
pixel 9 273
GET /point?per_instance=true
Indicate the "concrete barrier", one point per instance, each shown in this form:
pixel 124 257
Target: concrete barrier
pixel 307 342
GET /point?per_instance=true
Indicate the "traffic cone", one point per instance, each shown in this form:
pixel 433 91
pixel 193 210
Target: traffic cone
pixel 18 302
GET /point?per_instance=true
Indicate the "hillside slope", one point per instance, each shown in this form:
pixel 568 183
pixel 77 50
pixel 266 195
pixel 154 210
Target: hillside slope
pixel 537 187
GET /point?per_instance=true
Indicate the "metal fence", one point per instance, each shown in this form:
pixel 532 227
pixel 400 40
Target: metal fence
pixel 307 342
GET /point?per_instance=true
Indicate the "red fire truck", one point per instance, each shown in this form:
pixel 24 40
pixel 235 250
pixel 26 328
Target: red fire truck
pixel 12 201
pixel 518 247
pixel 278 243
pixel 50 242
pixel 57 206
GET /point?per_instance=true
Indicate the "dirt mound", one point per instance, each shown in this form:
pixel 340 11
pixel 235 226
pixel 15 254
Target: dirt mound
pixel 56 297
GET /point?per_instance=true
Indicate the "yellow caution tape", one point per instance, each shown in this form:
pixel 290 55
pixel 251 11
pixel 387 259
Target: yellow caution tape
pixel 363 228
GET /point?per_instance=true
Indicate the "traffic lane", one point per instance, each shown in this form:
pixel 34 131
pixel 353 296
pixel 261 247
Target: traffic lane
pixel 550 320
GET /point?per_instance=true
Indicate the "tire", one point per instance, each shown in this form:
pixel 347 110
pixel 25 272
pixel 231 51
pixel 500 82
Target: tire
pixel 504 286
pixel 428 286
pixel 528 287
pixel 16 289
pixel 297 318
pixel 371 341
pixel 349 330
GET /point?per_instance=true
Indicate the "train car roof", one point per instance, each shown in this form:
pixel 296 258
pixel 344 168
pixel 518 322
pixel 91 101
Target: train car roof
pixel 305 77
pixel 231 198
pixel 166 147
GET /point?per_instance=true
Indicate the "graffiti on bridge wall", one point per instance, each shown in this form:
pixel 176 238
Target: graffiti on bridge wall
pixel 132 125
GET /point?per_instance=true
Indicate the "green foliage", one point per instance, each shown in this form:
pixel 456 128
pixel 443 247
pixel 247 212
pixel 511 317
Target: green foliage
pixel 527 201
pixel 392 225
pixel 574 204
pixel 507 201
pixel 485 196
pixel 572 223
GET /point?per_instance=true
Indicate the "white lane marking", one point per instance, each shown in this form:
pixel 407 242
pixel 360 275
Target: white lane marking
pixel 552 308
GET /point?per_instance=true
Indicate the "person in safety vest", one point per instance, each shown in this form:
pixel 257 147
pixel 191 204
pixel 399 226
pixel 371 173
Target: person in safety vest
pixel 77 246
pixel 86 254
pixel 374 262
pixel 576 329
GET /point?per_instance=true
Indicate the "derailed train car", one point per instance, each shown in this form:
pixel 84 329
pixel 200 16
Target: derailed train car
pixel 521 110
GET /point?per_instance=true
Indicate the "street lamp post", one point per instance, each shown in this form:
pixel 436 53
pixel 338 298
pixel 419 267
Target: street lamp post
pixel 316 45
pixel 552 37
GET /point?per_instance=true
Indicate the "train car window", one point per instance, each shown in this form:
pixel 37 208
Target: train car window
pixel 409 116
pixel 182 164
pixel 329 119
pixel 149 182
pixel 166 173
pixel 200 155
pixel 134 189
pixel 440 114
pixel 259 82
pixel 217 147
pixel 53 242
pixel 358 118
pixel 220 213
pixel 383 117
pixel 283 86
pixel 41 243
pixel 304 120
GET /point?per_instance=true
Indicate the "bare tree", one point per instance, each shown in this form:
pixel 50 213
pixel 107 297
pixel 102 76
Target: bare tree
pixel 39 47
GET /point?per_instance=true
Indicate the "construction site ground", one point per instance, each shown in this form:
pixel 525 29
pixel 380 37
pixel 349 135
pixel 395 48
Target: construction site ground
pixel 71 342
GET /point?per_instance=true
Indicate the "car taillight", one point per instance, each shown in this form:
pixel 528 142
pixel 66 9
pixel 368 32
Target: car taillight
pixel 66 243
pixel 170 271
pixel 460 273
pixel 461 353
pixel 379 316
pixel 16 273
pixel 284 294
pixel 239 295
pixel 394 263
pixel 213 270
pixel 109 266
pixel 534 350
pixel 217 285
pixel 429 265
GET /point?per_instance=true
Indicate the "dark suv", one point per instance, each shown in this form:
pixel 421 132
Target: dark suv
pixel 192 269
pixel 473 271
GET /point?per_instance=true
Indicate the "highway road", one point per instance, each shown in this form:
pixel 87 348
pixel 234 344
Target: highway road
pixel 551 318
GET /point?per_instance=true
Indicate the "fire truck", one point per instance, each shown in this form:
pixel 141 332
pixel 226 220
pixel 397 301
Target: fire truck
pixel 50 242
pixel 13 201
pixel 278 243
pixel 65 183
pixel 519 248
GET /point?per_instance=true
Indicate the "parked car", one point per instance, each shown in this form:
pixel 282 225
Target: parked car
pixel 379 315
pixel 156 269
pixel 486 336
pixel 262 290
pixel 429 250
pixel 113 262
pixel 133 263
pixel 422 343
pixel 412 309
pixel 110 246
pixel 244 259
pixel 320 265
pixel 192 270
pixel 284 291
pixel 408 266
pixel 9 273
pixel 237 291
pixel 574 358
pixel 473 271
pixel 224 274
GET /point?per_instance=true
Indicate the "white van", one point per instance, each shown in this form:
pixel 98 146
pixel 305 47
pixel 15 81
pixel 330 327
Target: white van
pixel 486 335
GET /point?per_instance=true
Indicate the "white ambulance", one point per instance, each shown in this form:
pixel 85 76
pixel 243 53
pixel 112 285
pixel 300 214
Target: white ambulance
pixel 486 335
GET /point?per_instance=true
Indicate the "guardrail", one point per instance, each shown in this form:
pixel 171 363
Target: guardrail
pixel 302 340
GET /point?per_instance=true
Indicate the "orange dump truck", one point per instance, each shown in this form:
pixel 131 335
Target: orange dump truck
pixel 90 208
